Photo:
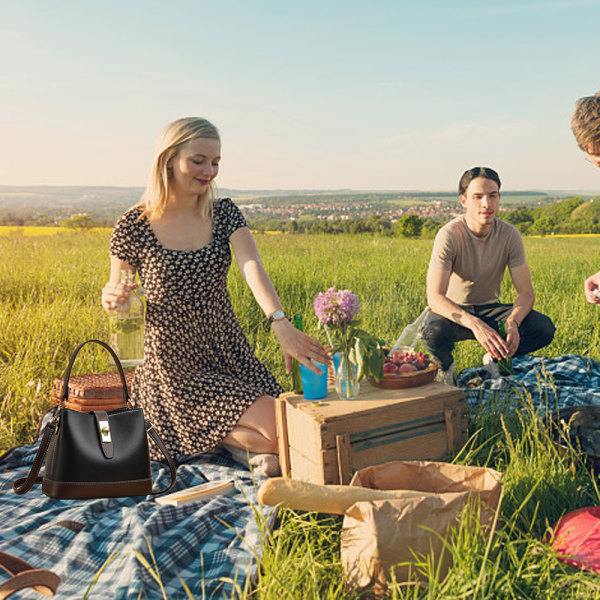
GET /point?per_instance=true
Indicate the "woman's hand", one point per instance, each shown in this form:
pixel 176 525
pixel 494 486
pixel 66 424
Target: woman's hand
pixel 296 344
pixel 116 295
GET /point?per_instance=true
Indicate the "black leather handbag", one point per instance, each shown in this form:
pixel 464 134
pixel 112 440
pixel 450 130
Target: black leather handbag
pixel 99 454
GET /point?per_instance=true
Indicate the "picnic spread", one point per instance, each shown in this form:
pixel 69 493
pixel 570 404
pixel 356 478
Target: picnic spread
pixel 211 545
pixel 390 516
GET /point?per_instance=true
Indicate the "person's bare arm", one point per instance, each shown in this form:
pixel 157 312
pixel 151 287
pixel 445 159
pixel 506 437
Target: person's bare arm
pixel 294 343
pixel 437 287
pixel 522 306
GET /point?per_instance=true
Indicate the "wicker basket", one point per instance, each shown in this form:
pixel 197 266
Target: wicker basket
pixel 96 391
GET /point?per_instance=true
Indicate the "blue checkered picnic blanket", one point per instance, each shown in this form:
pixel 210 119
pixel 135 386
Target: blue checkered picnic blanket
pixel 550 384
pixel 210 546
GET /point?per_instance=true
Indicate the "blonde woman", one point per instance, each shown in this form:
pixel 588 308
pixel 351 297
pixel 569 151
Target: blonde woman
pixel 200 382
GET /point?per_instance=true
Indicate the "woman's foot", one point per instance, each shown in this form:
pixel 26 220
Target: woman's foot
pixel 264 465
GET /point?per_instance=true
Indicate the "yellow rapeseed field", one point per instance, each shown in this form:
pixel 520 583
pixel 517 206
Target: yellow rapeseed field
pixel 37 231
pixel 566 235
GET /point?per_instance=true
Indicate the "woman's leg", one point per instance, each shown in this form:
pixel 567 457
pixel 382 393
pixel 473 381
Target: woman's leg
pixel 256 430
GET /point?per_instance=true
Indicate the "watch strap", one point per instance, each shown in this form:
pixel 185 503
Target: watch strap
pixel 278 315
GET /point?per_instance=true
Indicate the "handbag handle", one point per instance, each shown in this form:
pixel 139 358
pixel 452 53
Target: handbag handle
pixel 65 391
pixel 44 582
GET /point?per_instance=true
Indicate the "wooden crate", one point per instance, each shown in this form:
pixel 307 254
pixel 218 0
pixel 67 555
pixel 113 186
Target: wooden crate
pixel 326 441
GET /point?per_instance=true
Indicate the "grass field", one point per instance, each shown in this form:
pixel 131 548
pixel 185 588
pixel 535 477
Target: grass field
pixel 50 301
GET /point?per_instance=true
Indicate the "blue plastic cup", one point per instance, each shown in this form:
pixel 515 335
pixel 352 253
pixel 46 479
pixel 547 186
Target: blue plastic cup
pixel 314 386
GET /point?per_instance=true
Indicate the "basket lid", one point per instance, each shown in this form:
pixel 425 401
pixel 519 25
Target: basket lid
pixel 93 385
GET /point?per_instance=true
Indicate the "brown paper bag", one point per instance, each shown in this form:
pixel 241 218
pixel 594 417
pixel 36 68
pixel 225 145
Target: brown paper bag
pixel 376 536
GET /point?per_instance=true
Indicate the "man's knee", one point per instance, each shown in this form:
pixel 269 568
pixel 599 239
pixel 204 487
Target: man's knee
pixel 546 330
pixel 541 329
pixel 436 331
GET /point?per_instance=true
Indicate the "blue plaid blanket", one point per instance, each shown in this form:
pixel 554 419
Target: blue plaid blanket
pixel 98 547
pixel 550 384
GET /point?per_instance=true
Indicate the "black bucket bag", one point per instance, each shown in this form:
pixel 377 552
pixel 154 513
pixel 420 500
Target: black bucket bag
pixel 98 454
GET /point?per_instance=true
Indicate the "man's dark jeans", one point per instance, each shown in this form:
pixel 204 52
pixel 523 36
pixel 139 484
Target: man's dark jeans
pixel 439 335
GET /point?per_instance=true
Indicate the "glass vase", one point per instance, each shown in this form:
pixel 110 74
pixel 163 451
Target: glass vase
pixel 346 379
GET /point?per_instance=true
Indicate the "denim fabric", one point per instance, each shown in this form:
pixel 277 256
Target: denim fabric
pixel 439 335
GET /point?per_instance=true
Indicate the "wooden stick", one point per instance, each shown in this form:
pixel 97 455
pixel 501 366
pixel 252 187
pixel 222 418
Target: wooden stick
pixel 282 436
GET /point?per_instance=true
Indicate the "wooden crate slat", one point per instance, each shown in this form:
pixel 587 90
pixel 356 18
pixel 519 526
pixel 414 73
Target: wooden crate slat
pixel 429 446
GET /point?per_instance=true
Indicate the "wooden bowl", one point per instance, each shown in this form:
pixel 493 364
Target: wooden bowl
pixel 392 381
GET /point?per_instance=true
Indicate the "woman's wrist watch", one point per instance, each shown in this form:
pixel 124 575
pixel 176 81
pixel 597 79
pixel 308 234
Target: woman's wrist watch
pixel 278 315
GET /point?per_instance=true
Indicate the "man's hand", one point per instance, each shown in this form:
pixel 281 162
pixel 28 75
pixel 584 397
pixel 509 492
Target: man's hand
pixel 591 285
pixel 491 340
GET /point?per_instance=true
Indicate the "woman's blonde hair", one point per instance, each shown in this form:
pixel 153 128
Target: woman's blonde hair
pixel 156 195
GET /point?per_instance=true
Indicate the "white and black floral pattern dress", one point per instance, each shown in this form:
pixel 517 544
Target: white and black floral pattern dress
pixel 199 373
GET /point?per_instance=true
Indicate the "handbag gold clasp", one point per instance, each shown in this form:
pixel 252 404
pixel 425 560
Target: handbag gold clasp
pixel 104 428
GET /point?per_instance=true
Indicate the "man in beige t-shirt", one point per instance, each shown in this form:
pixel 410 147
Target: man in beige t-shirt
pixel 469 257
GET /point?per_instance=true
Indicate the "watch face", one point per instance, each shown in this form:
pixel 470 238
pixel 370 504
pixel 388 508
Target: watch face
pixel 277 316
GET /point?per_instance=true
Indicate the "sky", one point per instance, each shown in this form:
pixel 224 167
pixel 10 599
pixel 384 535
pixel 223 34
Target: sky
pixel 317 94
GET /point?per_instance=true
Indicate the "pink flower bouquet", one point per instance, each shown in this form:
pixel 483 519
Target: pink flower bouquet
pixel 336 311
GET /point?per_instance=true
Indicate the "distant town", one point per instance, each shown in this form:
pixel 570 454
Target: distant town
pixel 349 210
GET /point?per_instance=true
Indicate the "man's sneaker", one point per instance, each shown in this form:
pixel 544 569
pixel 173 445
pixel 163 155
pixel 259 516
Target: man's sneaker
pixel 448 376
pixel 491 366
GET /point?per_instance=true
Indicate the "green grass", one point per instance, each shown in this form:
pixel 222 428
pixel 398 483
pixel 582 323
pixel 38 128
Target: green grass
pixel 50 301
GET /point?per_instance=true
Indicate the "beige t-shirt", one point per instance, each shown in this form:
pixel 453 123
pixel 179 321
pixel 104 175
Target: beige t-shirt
pixel 477 263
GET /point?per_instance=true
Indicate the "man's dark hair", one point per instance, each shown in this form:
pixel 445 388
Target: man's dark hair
pixel 474 173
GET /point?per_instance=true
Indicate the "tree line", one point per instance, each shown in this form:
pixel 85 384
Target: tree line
pixel 410 226
pixel 574 215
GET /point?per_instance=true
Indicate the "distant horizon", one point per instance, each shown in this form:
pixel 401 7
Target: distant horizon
pixel 4 187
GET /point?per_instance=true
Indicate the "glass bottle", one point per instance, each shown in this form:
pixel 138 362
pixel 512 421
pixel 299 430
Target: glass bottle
pixel 505 365
pixel 411 334
pixel 126 325
pixel 296 380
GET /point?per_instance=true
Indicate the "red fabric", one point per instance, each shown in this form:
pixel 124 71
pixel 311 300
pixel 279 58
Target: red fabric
pixel 577 538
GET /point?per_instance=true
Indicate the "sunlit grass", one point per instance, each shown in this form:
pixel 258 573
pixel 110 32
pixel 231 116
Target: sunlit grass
pixel 50 302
